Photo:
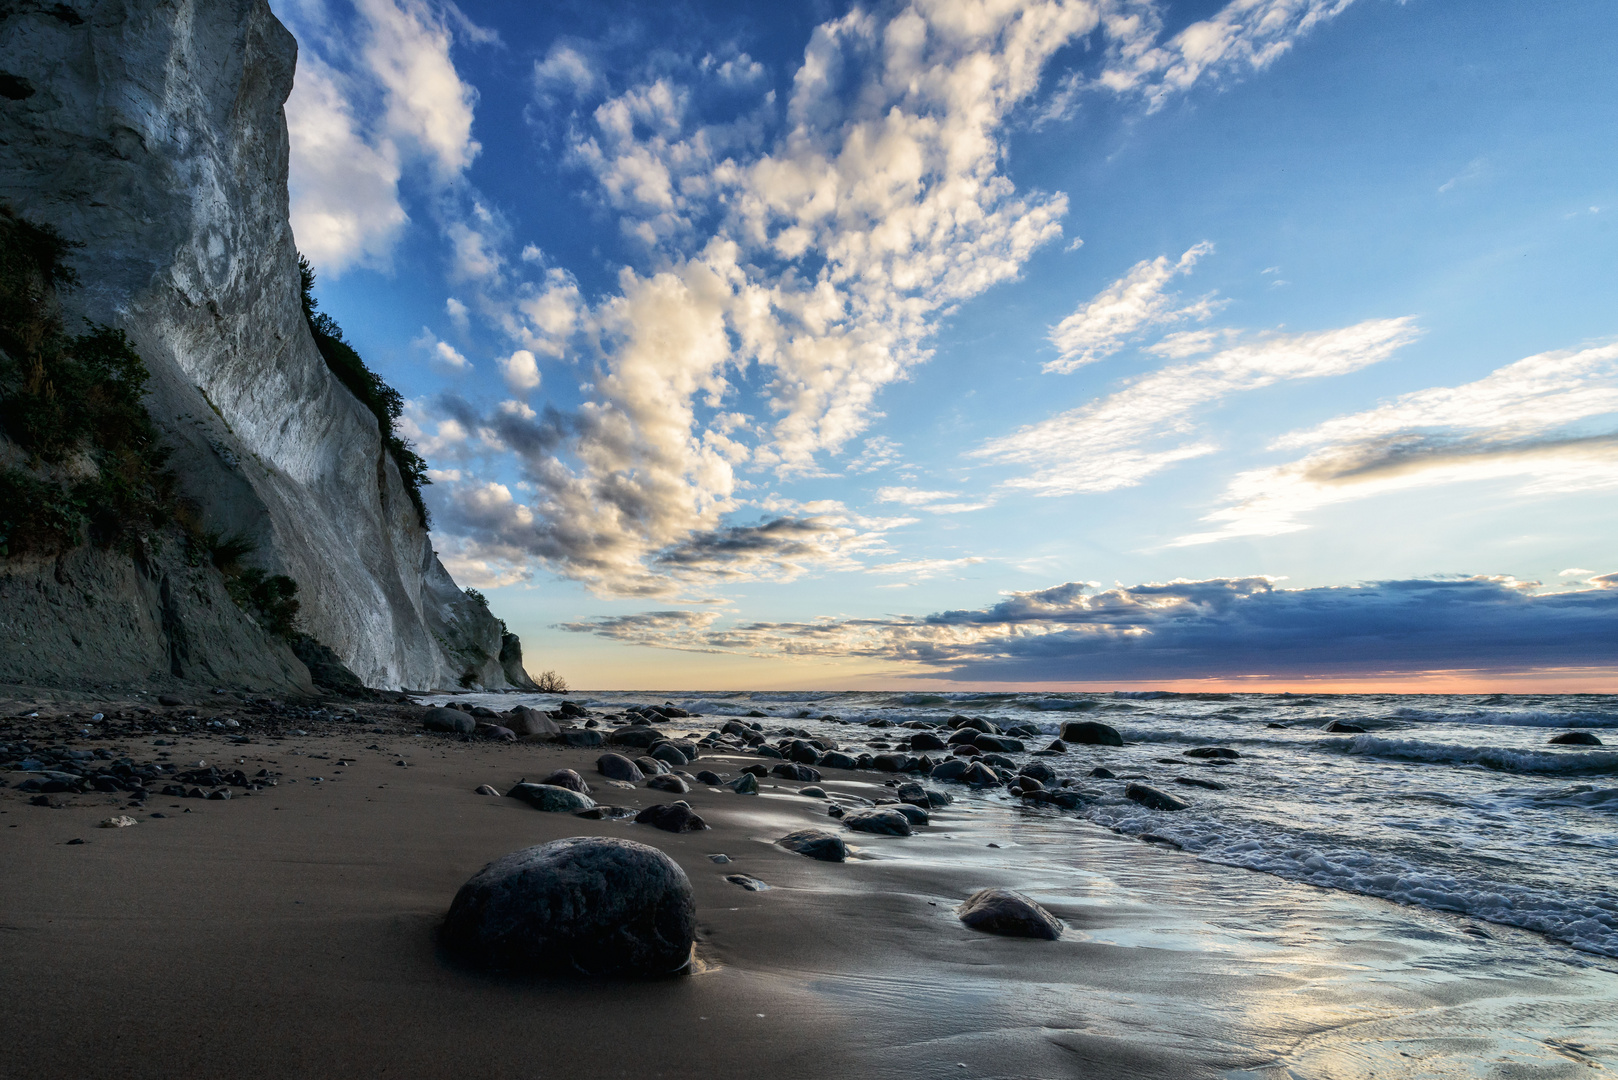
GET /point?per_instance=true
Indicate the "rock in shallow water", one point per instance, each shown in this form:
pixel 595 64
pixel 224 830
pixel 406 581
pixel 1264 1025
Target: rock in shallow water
pixel 1002 911
pixel 587 905
pixel 1153 799
pixel 1575 738
pixel 1091 733
pixel 884 821
pixel 751 884
pixel 816 844
pixel 1212 752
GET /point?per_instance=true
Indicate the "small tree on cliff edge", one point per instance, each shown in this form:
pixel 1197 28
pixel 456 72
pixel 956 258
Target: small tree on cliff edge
pixel 551 683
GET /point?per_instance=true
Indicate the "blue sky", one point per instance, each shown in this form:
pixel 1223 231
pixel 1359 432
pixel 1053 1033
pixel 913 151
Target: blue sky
pixel 1086 343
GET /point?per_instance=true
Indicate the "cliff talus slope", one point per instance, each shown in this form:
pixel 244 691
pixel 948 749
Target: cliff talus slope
pixel 152 134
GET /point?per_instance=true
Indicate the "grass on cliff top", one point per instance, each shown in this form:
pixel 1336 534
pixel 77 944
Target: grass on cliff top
pixel 383 400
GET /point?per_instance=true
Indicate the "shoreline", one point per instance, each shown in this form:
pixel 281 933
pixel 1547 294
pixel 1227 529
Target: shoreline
pixel 292 933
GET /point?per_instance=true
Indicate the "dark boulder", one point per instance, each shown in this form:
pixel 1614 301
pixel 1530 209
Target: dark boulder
pixel 1212 752
pixel 1002 911
pixel 1091 733
pixel 745 784
pixel 1002 744
pixel 496 733
pixel 450 721
pixel 587 905
pixel 670 783
pixel 802 773
pixel 836 759
pixel 550 798
pixel 891 762
pixel 916 814
pixel 638 737
pixel 531 723
pixel 581 737
pixel 881 821
pixel 926 740
pixel 671 817
pixel 1056 746
pixel 815 844
pixel 1039 771
pixel 709 777
pixel 618 767
pixel 953 769
pixel 980 775
pixel 1575 738
pixel 1197 781
pixel 1101 772
pixel 1153 799
pixel 569 779
pixel 1339 727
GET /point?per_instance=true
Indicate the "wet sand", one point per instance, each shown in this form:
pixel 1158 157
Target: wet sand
pixel 291 933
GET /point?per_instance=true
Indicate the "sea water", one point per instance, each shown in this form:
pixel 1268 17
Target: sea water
pixel 1450 802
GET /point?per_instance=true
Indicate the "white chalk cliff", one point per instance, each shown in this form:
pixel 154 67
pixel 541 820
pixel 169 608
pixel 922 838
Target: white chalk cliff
pixel 152 133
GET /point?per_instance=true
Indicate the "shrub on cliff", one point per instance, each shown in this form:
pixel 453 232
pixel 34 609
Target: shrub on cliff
pixel 92 461
pixel 383 400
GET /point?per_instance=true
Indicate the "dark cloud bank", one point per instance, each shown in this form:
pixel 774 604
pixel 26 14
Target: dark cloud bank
pixel 1225 627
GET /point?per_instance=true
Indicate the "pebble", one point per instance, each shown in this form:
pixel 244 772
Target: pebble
pixel 721 859
pixel 485 789
pixel 751 884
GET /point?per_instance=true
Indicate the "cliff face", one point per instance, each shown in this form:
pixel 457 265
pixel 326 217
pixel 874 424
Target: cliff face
pixel 152 134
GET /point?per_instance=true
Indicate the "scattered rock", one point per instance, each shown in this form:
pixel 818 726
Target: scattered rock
pixel 671 817
pixel 1338 727
pixel 569 779
pixel 721 859
pixel 638 737
pixel 836 759
pixel 77 840
pixel 122 821
pixel 881 821
pixel 745 784
pixel 751 884
pixel 1575 738
pixel 926 740
pixel 485 789
pixel 670 783
pixel 1211 752
pixel 528 723
pixel 550 798
pixel 606 813
pixel 670 754
pixel 170 700
pixel 916 814
pixel 756 770
pixel 618 767
pixel 980 775
pixel 1153 799
pixel 1039 771
pixel 1091 733
pixel 588 905
pixel 812 792
pixel 802 773
pixel 953 769
pixel 1057 746
pixel 451 721
pixel 1197 781
pixel 1002 911
pixel 1002 744
pixel 651 766
pixel 815 844
pixel 1101 772
pixel 581 737
pixel 496 733
pixel 712 779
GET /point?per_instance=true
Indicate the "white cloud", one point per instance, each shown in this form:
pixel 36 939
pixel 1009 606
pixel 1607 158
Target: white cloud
pixel 921 569
pixel 1121 439
pixel 521 371
pixel 565 71
pixel 407 48
pixel 456 312
pixel 1529 421
pixel 1129 305
pixel 344 187
pixel 911 496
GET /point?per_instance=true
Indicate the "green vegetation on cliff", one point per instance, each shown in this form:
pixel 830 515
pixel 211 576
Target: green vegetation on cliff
pixel 84 460
pixel 383 400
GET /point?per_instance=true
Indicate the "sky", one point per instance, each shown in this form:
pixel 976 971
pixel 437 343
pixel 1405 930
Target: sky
pixel 1059 344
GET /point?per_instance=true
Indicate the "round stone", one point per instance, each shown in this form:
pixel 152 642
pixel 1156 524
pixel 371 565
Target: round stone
pixel 587 905
pixel 1003 911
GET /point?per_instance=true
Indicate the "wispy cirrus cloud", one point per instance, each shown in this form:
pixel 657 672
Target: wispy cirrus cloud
pixel 1151 423
pixel 1548 422
pixel 1133 303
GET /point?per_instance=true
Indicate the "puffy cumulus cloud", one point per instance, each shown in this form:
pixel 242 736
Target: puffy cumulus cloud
pixel 343 184
pixel 368 100
pixel 1545 423
pixel 521 371
pixel 1129 305
pixel 1150 424
pixel 805 249
pixel 1217 628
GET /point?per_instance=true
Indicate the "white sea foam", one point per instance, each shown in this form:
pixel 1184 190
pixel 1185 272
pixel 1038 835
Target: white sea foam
pixel 1543 718
pixel 1593 763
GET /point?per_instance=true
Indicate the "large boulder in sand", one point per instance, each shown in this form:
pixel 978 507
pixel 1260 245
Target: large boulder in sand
pixel 1091 733
pixel 569 779
pixel 1002 911
pixel 529 723
pixel 882 821
pixel 618 767
pixel 551 798
pixel 588 905
pixel 816 844
pixel 451 721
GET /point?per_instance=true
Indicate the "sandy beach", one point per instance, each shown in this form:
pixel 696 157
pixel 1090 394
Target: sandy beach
pixel 291 932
